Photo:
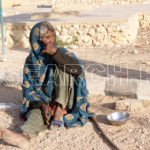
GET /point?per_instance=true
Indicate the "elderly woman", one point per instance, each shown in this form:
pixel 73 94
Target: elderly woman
pixel 54 88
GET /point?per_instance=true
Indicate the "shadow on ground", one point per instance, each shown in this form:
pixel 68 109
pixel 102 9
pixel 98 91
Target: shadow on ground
pixel 12 95
pixel 102 119
pixel 105 70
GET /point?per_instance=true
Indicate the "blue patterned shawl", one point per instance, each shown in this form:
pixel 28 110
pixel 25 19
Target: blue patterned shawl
pixel 38 82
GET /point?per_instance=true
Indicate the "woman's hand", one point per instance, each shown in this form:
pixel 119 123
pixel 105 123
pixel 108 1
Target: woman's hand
pixel 50 49
pixel 46 110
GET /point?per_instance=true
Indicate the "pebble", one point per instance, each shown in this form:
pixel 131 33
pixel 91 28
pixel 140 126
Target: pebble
pixel 148 62
pixel 48 135
pixel 130 130
pixel 65 46
pixel 3 59
pixel 111 76
pixel 139 147
pixel 135 52
pixel 73 46
pixel 121 75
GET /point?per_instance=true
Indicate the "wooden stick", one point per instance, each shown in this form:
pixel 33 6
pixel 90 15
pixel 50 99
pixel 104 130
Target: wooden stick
pixel 111 144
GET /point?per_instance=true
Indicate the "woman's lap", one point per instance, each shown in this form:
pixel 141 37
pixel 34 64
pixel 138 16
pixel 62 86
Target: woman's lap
pixel 64 91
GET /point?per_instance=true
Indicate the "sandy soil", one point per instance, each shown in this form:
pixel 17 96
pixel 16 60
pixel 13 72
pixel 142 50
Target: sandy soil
pixel 134 135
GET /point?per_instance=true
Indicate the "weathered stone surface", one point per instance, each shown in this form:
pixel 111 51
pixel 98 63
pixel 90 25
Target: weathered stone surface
pixel 8 3
pixel 96 85
pixel 90 4
pixel 121 87
pixel 64 31
pixel 101 29
pixel 144 20
pixel 92 32
pixel 58 27
pixel 132 105
pixel 66 38
pixel 122 33
pixel 121 28
pixel 143 90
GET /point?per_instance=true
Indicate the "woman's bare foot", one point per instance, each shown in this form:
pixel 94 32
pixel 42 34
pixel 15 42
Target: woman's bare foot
pixel 19 140
pixel 58 116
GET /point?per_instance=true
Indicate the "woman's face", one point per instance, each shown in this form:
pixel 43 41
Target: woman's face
pixel 49 38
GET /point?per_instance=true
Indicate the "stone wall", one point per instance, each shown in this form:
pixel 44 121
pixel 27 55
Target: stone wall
pixel 144 20
pixel 68 3
pixel 11 3
pixel 93 3
pixel 86 34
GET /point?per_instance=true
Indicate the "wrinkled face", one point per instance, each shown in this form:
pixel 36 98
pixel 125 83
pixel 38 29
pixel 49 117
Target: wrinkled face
pixel 49 38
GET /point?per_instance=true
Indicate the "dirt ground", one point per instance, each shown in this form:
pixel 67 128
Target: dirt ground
pixel 134 135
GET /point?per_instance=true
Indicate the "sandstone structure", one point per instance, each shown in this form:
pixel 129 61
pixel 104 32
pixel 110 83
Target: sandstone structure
pixel 74 28
pixel 85 34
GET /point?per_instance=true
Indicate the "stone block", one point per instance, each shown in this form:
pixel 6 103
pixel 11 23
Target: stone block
pixel 96 85
pixel 132 105
pixel 8 3
pixel 121 87
pixel 143 90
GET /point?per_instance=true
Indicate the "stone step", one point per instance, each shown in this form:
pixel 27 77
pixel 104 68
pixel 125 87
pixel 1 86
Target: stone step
pixel 132 105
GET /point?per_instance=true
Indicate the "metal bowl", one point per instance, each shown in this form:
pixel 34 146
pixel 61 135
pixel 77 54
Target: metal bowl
pixel 118 118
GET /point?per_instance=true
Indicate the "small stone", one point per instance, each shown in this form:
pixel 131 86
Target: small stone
pixel 109 29
pixel 3 59
pixel 138 46
pixel 65 46
pixel 91 32
pixel 121 28
pixel 57 33
pixel 76 26
pixel 118 45
pixel 148 62
pixel 111 76
pixel 64 31
pixel 129 105
pixel 135 52
pixel 140 147
pixel 66 38
pixel 58 27
pixel 130 130
pixel 101 29
pixel 121 75
pixel 73 46
pixel 48 135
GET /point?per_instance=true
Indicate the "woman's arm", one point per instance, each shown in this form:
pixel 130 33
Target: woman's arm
pixel 66 63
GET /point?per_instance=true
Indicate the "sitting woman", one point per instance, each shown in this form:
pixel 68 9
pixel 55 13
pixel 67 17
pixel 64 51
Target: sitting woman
pixel 54 88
